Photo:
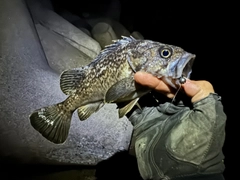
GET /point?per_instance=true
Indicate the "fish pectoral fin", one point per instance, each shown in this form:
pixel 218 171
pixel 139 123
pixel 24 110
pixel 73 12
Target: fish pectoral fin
pixel 52 122
pixel 124 110
pixel 86 111
pixel 71 79
pixel 120 90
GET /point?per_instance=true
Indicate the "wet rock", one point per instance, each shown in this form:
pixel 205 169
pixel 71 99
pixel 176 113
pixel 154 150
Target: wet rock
pixel 28 83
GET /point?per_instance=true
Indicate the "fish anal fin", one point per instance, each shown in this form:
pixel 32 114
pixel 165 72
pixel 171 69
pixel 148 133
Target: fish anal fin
pixel 71 79
pixel 52 122
pixel 87 110
pixel 124 110
pixel 138 105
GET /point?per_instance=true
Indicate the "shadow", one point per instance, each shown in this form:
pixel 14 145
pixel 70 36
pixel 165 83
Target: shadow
pixel 120 166
pixel 46 172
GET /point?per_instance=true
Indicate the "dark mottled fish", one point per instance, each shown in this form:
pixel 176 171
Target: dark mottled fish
pixel 109 79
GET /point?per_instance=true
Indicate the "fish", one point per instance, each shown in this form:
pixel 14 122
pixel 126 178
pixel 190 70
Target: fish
pixel 109 78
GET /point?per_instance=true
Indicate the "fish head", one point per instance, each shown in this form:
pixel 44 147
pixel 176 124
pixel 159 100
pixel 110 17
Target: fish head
pixel 168 62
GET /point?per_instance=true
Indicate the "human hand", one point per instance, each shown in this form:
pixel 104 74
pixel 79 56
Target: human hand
pixel 196 90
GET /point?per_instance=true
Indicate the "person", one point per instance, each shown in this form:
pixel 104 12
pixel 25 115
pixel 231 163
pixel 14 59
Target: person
pixel 182 139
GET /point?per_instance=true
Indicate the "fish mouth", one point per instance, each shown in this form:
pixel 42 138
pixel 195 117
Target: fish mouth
pixel 185 69
pixel 180 68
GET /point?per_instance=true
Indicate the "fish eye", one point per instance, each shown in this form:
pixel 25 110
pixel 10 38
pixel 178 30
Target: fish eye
pixel 165 53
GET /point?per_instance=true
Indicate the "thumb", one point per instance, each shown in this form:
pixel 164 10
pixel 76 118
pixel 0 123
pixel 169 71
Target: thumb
pixel 197 90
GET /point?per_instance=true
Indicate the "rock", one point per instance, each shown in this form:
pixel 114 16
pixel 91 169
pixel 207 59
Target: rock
pixel 117 27
pixel 78 22
pixel 59 25
pixel 103 34
pixel 85 31
pixel 60 54
pixel 92 21
pixel 137 35
pixel 27 83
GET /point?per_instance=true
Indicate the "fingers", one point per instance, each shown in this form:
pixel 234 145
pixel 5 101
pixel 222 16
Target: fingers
pixel 194 89
pixel 155 83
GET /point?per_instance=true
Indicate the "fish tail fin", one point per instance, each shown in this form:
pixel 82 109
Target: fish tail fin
pixel 52 122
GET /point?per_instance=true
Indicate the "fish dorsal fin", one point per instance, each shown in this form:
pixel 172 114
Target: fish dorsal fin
pixel 119 42
pixel 71 79
pixel 115 45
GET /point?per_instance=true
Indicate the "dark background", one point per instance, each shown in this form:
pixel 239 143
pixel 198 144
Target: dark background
pixel 199 27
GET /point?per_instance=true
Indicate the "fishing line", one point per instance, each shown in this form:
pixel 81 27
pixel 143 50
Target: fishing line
pixel 176 93
pixel 182 80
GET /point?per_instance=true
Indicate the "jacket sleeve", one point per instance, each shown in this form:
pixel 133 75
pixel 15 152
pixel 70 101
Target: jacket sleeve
pixel 180 141
pixel 199 136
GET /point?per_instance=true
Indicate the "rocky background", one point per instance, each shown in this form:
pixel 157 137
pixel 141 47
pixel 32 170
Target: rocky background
pixel 41 48
pixel 41 38
pixel 71 40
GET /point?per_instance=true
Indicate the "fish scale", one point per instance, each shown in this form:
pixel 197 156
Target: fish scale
pixel 109 78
